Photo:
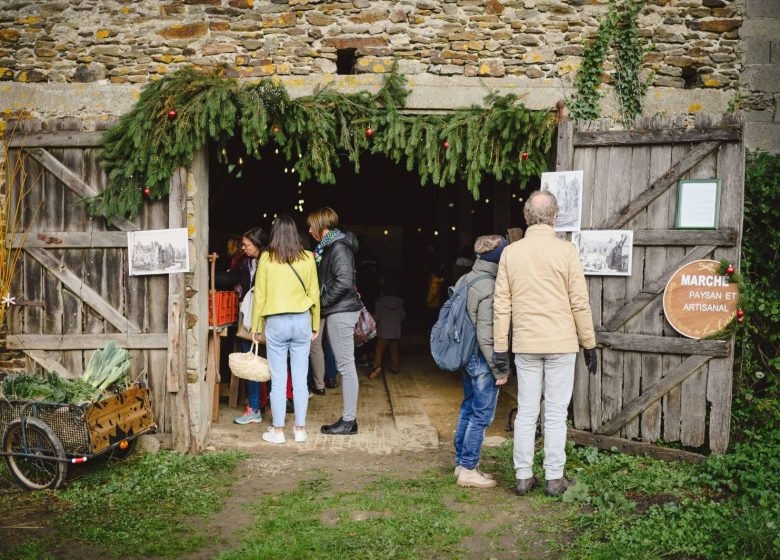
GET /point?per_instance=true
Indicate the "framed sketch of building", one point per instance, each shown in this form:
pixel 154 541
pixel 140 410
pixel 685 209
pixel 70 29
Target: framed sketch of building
pixel 605 252
pixel 158 251
pixel 567 188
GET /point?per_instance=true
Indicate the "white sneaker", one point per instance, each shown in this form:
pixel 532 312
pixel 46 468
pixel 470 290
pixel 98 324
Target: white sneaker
pixel 272 436
pixel 489 476
pixel 474 479
pixel 300 436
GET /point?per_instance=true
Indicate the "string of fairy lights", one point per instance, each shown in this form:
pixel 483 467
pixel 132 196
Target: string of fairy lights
pixel 299 201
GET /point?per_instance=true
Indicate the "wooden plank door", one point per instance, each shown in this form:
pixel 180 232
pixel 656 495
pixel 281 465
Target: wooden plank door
pixel 77 268
pixel 654 384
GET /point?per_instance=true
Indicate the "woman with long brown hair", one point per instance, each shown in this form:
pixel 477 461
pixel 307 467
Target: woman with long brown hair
pixel 286 314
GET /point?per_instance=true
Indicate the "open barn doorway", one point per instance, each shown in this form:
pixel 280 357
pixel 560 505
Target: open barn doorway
pixel 406 232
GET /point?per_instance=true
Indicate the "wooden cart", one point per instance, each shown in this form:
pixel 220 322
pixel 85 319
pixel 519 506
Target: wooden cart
pixel 40 439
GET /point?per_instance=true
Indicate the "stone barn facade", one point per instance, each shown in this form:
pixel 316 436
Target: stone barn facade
pixel 87 60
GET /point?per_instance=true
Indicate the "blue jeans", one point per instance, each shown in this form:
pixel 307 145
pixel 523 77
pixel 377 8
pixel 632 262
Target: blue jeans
pixel 252 387
pixel 480 396
pixel 288 333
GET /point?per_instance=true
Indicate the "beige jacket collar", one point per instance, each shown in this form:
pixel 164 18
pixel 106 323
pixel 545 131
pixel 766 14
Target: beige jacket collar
pixel 540 230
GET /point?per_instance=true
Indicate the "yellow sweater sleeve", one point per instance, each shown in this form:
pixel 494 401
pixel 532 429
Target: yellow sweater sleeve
pixel 313 289
pixel 261 293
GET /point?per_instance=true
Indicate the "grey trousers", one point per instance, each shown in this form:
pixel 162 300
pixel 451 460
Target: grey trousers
pixel 341 333
pixel 317 357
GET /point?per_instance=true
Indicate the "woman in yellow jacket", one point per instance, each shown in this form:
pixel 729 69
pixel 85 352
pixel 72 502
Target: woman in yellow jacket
pixel 286 314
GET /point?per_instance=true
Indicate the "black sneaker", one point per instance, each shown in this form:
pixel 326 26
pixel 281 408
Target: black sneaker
pixel 318 392
pixel 340 428
pixel 558 486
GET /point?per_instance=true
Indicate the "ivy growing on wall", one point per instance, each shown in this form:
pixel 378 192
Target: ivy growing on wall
pixel 618 31
pixel 177 115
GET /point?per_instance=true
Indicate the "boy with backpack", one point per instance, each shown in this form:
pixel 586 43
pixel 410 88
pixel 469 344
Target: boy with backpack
pixel 481 379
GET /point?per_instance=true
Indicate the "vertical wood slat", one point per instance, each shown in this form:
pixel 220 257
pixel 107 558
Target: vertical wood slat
pixel 598 213
pixel 32 269
pixel 177 358
pixel 672 402
pixel 613 290
pixel 157 291
pixel 584 158
pixel 651 320
pixel 731 170
pixel 73 217
pixel 693 391
pixel 632 361
pixel 96 273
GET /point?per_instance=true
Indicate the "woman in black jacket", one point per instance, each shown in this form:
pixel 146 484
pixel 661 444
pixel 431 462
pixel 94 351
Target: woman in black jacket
pixel 339 310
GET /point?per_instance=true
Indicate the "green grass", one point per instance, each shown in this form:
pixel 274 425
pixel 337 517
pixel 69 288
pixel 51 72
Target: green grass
pixel 387 519
pixel 35 550
pixel 636 507
pixel 141 507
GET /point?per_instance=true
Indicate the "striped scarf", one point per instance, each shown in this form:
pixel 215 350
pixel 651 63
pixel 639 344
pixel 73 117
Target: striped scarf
pixel 324 244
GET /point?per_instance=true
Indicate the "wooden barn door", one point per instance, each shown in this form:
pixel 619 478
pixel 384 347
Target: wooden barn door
pixel 653 384
pixel 73 278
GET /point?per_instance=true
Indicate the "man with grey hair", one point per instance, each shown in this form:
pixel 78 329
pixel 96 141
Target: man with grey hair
pixel 541 291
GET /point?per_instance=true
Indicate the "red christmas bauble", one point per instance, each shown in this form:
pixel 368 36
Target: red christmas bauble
pixel 369 132
pixel 524 155
pixel 172 114
pixel 147 192
pixel 740 313
pixel 730 269
pixel 445 145
pixel 276 129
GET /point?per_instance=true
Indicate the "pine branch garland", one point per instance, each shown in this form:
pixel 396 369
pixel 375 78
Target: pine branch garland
pixel 145 148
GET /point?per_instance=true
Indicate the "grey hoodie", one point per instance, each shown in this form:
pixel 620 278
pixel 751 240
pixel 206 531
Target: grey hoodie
pixel 479 304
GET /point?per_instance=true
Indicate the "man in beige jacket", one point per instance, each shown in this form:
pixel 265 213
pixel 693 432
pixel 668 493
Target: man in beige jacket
pixel 541 292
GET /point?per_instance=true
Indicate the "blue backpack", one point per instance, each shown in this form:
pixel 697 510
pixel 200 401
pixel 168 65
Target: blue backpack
pixel 454 337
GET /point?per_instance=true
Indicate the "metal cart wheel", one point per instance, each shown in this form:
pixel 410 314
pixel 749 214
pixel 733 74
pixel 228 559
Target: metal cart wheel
pixel 119 454
pixel 40 470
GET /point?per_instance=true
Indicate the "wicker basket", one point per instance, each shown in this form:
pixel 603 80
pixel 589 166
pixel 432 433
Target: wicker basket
pixel 249 365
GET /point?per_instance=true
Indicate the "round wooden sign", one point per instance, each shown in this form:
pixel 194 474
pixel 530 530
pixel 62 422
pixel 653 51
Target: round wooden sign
pixel 698 301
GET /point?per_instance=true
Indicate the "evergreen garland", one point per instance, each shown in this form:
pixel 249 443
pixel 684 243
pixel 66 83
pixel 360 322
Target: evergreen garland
pixel 145 147
pixel 617 30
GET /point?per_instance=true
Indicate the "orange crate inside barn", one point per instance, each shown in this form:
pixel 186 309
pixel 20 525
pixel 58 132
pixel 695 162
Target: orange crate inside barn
pixel 227 308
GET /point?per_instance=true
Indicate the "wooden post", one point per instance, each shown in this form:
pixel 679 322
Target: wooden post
pixel 177 351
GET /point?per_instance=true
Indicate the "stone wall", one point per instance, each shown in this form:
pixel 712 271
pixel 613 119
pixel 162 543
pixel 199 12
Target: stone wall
pixel 696 41
pixel 760 80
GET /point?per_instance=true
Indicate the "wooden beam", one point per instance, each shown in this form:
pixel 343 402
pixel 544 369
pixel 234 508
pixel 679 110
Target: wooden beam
pixel 650 291
pixel 662 344
pixel 82 291
pixel 662 136
pixel 72 240
pixel 63 139
pixel 183 437
pixel 659 186
pixel 73 182
pixel 684 238
pixel 48 363
pixel 653 394
pixel 85 341
pixel 564 160
pixel 581 437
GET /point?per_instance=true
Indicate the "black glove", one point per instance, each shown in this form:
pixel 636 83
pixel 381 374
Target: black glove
pixel 591 360
pixel 501 361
